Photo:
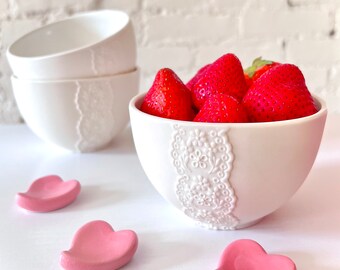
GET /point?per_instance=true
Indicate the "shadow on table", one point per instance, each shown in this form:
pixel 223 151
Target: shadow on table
pixel 308 261
pixel 166 252
pixel 312 212
pixel 96 196
pixel 315 207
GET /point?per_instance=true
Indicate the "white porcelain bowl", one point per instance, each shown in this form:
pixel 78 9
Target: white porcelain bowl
pixel 80 115
pixel 226 175
pixel 96 43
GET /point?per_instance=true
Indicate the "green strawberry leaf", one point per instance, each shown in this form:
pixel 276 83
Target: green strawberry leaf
pixel 257 64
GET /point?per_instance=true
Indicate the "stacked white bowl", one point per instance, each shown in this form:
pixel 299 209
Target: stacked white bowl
pixel 73 79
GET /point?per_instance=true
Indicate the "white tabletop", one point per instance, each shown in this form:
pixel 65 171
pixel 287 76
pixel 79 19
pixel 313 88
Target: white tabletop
pixel 115 189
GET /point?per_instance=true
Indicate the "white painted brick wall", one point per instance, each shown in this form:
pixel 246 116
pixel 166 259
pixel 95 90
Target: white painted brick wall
pixel 185 35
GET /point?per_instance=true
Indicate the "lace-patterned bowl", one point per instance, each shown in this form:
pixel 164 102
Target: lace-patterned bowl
pixel 89 44
pixel 226 176
pixel 82 115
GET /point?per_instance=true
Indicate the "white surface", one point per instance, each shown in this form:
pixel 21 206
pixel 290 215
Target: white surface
pixel 115 189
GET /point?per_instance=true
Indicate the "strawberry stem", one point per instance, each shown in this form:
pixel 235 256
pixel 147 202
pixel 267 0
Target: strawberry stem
pixel 257 63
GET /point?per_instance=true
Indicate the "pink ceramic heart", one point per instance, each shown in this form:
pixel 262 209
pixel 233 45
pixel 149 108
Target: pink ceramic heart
pixel 48 193
pixel 247 254
pixel 96 246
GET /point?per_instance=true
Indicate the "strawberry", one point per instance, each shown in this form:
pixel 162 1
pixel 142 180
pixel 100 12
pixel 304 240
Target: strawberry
pixel 197 76
pixel 168 97
pixel 279 94
pixel 249 80
pixel 258 67
pixel 222 108
pixel 225 76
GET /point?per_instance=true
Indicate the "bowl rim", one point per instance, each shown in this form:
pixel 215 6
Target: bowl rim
pixel 132 72
pixel 136 101
pixel 93 13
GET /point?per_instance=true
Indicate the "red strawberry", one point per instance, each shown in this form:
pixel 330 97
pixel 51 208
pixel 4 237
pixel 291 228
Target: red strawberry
pixel 279 94
pixel 224 76
pixel 222 108
pixel 168 97
pixel 197 76
pixel 258 67
pixel 249 80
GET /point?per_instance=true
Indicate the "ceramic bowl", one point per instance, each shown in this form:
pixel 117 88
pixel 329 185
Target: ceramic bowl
pixel 80 115
pixel 96 43
pixel 226 175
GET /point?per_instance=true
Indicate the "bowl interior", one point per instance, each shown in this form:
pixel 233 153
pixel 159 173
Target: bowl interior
pixel 79 31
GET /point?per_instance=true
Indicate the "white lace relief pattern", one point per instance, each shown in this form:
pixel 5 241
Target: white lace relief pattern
pixel 95 105
pixel 203 160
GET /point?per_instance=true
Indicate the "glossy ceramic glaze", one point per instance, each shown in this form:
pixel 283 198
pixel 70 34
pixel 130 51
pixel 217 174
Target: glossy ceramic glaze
pixel 80 115
pixel 96 246
pixel 226 175
pixel 89 44
pixel 48 193
pixel 246 254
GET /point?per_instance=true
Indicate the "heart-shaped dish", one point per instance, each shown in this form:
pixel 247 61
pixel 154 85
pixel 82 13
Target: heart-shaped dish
pixel 96 246
pixel 48 193
pixel 250 255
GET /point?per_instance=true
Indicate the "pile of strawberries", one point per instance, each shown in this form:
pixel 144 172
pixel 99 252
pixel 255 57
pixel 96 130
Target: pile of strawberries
pixel 224 92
